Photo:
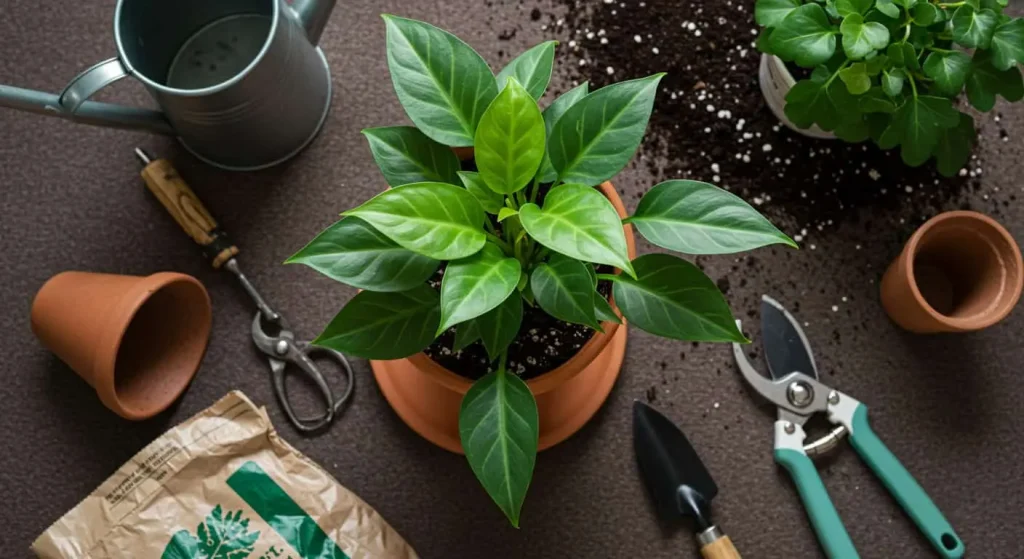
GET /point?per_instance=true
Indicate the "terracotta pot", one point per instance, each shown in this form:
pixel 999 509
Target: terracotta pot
pixel 137 340
pixel 960 271
pixel 427 396
pixel 776 81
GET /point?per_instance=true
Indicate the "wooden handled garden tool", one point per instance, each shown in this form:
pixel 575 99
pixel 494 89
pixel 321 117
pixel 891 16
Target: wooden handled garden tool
pixel 794 388
pixel 676 478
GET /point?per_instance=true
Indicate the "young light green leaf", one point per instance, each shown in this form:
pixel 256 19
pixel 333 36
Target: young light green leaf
pixel 443 84
pixel 474 285
pixel 603 310
pixel 860 38
pixel 506 213
pixel 377 325
pixel 532 69
pixel 598 135
pixel 954 147
pixel 916 127
pixel 465 334
pixel 973 28
pixel 986 81
pixel 892 82
pixel 579 222
pixel 551 115
pixel 438 220
pixel 926 14
pixel 849 7
pixel 510 140
pixel 888 8
pixel 699 218
pixel 1008 44
pixel 563 288
pixel 498 426
pixel 672 298
pixel 769 13
pixel 856 78
pixel 405 155
pixel 805 36
pixel 490 201
pixel 948 70
pixel 353 252
pixel 500 326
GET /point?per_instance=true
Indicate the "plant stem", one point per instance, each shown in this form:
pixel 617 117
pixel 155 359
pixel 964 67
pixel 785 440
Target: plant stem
pixel 534 189
pixel 501 361
pixel 501 243
pixel 609 277
pixel 489 226
pixel 913 85
pixel 950 5
pixel 832 78
pixel 906 34
pixel 942 51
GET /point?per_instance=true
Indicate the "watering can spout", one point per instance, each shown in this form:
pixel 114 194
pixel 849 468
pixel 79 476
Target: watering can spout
pixel 313 15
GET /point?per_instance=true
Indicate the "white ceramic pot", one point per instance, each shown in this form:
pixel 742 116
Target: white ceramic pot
pixel 776 81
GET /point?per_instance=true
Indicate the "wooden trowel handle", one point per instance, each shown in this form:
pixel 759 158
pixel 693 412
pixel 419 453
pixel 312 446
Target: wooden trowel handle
pixel 184 206
pixel 720 546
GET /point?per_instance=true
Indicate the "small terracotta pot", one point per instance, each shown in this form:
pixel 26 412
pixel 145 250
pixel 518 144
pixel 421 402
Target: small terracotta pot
pixel 960 271
pixel 137 340
pixel 427 396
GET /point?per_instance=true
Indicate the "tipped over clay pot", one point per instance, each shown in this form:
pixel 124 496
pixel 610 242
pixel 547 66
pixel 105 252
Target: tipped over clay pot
pixel 428 396
pixel 960 271
pixel 137 340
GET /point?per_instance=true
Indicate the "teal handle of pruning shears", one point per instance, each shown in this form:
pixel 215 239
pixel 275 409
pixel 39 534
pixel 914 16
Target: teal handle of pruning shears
pixel 904 487
pixel 831 533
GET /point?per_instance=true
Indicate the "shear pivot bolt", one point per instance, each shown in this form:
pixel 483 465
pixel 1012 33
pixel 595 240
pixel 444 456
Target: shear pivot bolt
pixel 833 397
pixel 800 394
pixel 281 348
pixel 789 428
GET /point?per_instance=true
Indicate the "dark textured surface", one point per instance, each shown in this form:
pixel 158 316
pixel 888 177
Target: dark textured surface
pixel 71 199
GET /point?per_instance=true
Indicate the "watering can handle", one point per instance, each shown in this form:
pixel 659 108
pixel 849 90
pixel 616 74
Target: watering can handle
pixel 86 84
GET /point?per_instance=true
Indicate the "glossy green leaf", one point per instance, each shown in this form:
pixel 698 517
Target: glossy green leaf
pixel 405 155
pixel 769 13
pixel 474 285
pixel 876 64
pixel 948 70
pixel 438 220
pixel 916 127
pixel 888 8
pixel 489 200
pixel 672 298
pixel 925 13
pixel 500 326
pixel 597 136
pixel 972 28
pixel 510 140
pixel 699 218
pixel 563 288
pixel 353 252
pixel 551 115
pixel 907 4
pixel 603 310
pixel 764 40
pixel 443 84
pixel 532 69
pixel 810 102
pixel 830 9
pixel 1008 44
pixel 384 325
pixel 856 78
pixel 506 213
pixel 876 101
pixel 892 82
pixel 805 36
pixel 861 38
pixel 986 81
pixel 903 55
pixel 465 334
pixel 954 146
pixel 852 130
pixel 498 427
pixel 849 7
pixel 579 222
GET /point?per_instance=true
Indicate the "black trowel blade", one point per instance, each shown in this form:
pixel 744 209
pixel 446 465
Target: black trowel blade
pixel 675 477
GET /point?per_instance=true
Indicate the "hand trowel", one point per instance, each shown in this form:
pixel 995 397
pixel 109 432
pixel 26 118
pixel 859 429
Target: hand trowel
pixel 677 480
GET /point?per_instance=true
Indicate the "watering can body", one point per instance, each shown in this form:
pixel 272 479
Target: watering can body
pixel 241 83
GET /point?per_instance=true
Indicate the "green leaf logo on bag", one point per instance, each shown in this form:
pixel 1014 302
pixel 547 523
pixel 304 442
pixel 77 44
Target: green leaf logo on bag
pixel 220 536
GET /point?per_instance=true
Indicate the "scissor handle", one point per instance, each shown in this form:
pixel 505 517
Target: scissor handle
pixel 299 353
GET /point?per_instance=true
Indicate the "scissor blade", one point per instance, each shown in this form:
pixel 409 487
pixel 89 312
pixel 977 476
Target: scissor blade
pixel 785 345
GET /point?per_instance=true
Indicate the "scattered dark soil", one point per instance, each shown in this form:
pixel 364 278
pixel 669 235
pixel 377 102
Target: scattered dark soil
pixel 711 122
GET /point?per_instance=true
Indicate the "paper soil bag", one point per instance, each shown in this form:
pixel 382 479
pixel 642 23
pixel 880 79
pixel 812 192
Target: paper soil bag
pixel 222 485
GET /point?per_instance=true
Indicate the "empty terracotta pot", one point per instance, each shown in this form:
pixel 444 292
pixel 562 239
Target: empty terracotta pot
pixel 137 340
pixel 427 396
pixel 960 271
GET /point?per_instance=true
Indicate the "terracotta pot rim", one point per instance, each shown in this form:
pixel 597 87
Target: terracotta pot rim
pixel 968 322
pixel 110 345
pixel 557 376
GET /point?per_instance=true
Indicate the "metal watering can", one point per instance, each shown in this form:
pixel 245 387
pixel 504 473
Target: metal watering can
pixel 241 83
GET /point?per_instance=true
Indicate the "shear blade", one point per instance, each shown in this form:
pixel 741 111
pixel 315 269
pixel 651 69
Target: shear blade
pixel 785 345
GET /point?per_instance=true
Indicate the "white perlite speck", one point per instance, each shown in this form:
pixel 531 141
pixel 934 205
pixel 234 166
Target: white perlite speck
pixel 715 168
pixel 766 147
pixel 655 50
pixel 610 70
pixel 638 38
pixel 835 308
pixel 711 108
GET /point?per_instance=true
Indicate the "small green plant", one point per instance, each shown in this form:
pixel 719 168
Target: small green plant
pixel 892 70
pixel 505 246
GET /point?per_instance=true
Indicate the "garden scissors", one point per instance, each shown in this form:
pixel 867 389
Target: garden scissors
pixel 795 389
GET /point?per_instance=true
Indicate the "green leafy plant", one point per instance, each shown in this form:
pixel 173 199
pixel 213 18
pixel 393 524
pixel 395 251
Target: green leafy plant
pixel 523 231
pixel 893 70
pixel 220 536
